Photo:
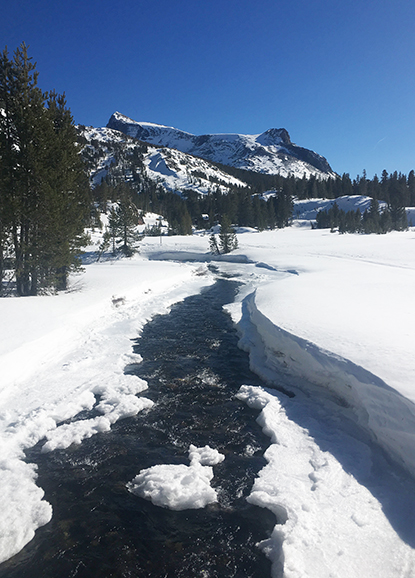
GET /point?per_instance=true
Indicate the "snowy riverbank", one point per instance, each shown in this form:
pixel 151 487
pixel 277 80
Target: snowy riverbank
pixel 331 314
pixel 59 354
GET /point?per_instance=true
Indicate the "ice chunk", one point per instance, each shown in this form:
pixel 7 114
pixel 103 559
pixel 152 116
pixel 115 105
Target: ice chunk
pixel 205 456
pixel 180 487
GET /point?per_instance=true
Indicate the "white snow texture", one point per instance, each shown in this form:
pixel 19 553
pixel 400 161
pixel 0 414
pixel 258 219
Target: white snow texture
pixel 329 317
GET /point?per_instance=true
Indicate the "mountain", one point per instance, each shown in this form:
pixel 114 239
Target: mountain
pixel 114 156
pixel 271 152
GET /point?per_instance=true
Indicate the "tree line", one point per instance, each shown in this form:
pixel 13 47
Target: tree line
pixel 373 220
pixel 394 186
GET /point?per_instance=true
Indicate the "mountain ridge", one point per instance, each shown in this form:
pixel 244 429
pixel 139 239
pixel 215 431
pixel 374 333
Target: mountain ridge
pixel 270 152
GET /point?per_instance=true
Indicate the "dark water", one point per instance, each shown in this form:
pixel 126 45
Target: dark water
pixel 99 529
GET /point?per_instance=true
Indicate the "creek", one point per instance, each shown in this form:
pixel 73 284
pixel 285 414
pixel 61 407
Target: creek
pixel 99 529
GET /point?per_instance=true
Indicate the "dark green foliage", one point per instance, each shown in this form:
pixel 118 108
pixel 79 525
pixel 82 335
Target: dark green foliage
pixel 398 198
pixel 227 238
pixel 213 245
pixel 283 207
pixel 372 221
pixel 45 200
pixel 121 233
pixel 371 218
pixel 345 221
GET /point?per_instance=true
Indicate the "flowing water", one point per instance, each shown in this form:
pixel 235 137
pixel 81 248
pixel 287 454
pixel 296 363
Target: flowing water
pixel 99 530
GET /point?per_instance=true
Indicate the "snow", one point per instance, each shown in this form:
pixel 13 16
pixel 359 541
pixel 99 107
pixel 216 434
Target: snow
pixel 308 208
pixel 264 153
pixel 180 487
pixel 329 316
pixel 121 117
pixel 330 519
pixel 66 353
pixel 173 169
pixel 178 171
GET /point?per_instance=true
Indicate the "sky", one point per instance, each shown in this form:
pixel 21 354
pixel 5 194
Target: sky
pixel 339 76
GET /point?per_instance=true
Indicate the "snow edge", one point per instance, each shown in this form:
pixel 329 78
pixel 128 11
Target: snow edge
pixel 380 410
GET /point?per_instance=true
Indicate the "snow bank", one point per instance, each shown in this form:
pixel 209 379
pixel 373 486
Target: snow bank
pixel 67 353
pixel 331 317
pixel 116 402
pixel 180 487
pixel 329 524
pixel 381 410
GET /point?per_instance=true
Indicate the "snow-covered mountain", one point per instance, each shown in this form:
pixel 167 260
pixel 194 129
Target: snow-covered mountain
pixel 271 152
pixel 119 157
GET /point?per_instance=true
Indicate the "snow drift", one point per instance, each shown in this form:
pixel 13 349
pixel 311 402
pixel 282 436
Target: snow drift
pixel 381 410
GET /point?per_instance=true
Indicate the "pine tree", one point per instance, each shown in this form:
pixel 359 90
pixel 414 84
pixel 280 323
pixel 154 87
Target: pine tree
pixel 371 218
pixel 22 116
pixel 411 188
pixel 45 194
pixel 397 214
pixel 227 237
pixel 123 222
pixel 213 245
pixel 123 219
pixel 283 207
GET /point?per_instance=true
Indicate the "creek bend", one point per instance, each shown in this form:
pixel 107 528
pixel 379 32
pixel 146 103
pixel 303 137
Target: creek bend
pixel 100 530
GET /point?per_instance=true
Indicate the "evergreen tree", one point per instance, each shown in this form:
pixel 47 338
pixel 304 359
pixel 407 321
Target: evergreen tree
pixel 67 198
pixel 397 213
pixel 227 237
pixel 411 188
pixel 213 244
pixel 123 221
pixel 121 232
pixel 346 185
pixel 371 218
pixel 45 195
pixel 259 214
pixel 283 208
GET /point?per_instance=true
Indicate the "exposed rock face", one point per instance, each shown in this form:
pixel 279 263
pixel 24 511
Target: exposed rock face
pixel 271 152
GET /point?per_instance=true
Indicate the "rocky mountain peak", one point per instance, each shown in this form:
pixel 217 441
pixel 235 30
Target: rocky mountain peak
pixel 276 136
pixel 271 152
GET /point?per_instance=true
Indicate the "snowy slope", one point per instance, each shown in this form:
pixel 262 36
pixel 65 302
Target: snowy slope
pixel 307 209
pixel 271 152
pixel 110 153
pixel 176 170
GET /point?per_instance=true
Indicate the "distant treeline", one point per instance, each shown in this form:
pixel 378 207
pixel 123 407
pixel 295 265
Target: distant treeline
pixel 389 186
pixel 247 207
pixel 373 220
pixel 182 211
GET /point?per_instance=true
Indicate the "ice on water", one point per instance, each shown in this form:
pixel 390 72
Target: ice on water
pixel 178 486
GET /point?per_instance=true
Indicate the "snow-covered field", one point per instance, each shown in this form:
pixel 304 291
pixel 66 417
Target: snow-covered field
pixel 330 316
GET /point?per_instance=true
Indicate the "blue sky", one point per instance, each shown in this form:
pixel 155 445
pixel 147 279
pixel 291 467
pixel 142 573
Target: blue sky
pixel 339 76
